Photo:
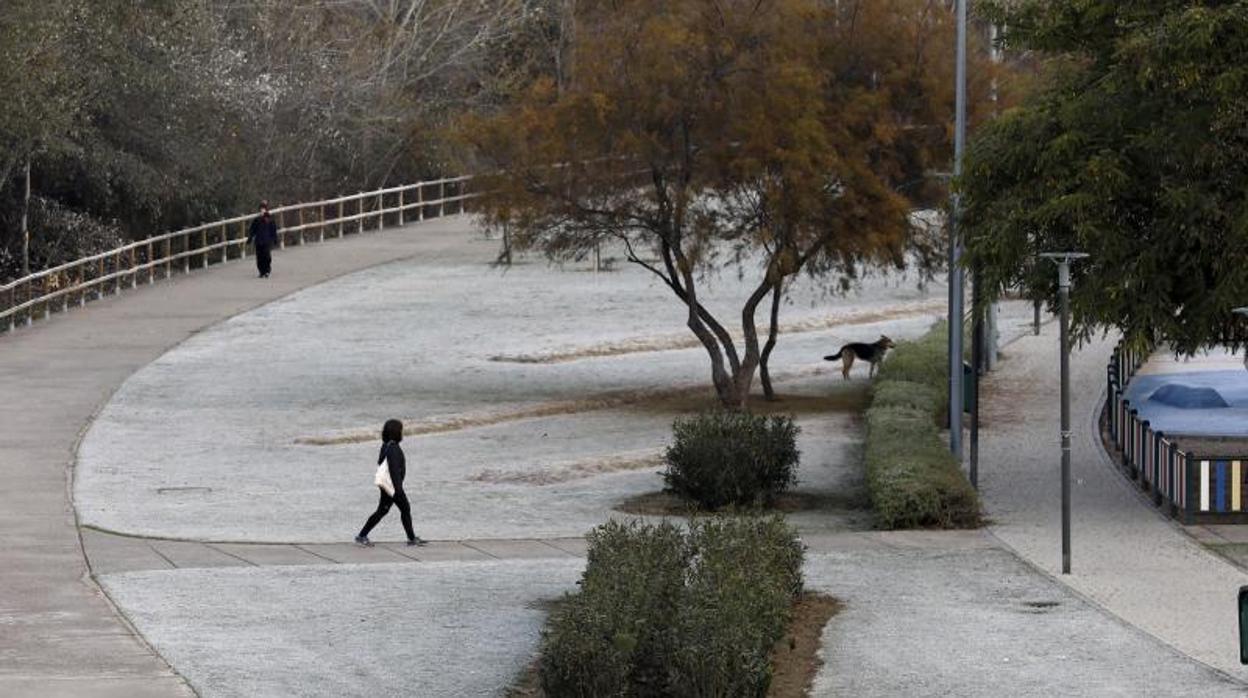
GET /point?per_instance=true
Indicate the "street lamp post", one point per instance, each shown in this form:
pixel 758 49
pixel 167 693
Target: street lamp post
pixel 956 290
pixel 1063 260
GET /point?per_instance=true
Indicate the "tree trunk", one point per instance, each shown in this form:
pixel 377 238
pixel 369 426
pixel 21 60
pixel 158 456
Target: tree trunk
pixel 773 330
pixel 504 256
pixel 26 223
pixel 743 374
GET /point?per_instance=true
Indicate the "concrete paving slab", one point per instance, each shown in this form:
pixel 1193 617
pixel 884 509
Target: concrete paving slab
pixel 573 546
pixel 1228 534
pixel 437 551
pixel 109 553
pixel 516 549
pixel 270 555
pixel 190 554
pixel 354 554
pixel 1206 534
pixel 92 686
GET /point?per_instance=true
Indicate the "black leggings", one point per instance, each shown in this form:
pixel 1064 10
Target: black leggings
pixel 264 259
pixel 383 507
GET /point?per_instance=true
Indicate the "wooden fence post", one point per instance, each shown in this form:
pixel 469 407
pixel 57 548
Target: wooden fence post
pixel 360 229
pixel 402 218
pixel 301 238
pixel 381 211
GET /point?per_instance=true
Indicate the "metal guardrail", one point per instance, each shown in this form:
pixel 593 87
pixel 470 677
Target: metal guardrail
pixel 56 290
pixel 1196 488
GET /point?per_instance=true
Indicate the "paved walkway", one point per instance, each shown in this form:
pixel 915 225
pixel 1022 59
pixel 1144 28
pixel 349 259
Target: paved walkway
pixel 262 628
pixel 71 642
pixel 61 635
pixel 1126 556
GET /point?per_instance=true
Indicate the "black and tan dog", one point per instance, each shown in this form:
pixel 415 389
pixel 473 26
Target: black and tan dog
pixel 871 353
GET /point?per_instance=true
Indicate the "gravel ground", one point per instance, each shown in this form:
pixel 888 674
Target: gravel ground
pixel 978 622
pixel 429 629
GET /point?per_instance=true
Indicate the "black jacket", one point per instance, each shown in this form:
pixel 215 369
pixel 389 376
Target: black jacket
pixel 263 232
pixel 393 455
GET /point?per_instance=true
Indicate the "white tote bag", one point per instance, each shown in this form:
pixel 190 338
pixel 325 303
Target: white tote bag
pixel 382 478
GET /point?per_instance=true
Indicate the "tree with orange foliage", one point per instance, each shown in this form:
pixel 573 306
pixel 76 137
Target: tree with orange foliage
pixel 782 127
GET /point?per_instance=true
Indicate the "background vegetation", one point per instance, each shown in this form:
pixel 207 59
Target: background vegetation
pixel 1134 150
pixel 140 117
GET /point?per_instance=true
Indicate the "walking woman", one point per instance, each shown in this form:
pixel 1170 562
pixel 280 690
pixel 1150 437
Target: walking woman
pixel 392 454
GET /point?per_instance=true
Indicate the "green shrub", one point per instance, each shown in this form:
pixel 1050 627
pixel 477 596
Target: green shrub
pixel 922 360
pixel 912 479
pixel 720 458
pixel 899 393
pixel 742 584
pixel 662 612
pixel 612 635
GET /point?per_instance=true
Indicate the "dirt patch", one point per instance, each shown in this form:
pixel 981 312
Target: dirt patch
pixel 843 396
pixel 685 341
pixel 794 658
pixel 576 470
pixel 667 503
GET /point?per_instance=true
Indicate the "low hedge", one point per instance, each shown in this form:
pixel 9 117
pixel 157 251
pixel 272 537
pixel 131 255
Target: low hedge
pixel 665 612
pixel 912 479
pixel 899 393
pixel 721 457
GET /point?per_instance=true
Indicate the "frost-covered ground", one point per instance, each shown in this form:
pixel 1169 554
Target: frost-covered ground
pixel 431 629
pixel 263 428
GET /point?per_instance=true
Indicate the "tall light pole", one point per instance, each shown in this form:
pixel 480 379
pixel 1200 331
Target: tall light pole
pixel 956 290
pixel 1063 260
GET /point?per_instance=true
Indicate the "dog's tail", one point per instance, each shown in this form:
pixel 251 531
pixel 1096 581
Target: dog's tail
pixel 835 356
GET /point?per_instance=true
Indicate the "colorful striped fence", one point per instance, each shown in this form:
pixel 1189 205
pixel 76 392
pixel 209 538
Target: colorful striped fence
pixel 1193 487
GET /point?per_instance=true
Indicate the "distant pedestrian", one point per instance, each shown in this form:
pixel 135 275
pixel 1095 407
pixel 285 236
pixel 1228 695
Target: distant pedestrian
pixel 392 455
pixel 263 234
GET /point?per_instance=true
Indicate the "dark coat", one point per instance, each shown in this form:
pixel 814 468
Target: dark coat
pixel 397 462
pixel 263 232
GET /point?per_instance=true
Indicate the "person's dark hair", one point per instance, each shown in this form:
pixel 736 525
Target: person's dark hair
pixel 392 431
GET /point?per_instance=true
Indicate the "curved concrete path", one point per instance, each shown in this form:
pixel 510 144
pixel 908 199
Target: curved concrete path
pixel 61 635
pixel 1126 557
